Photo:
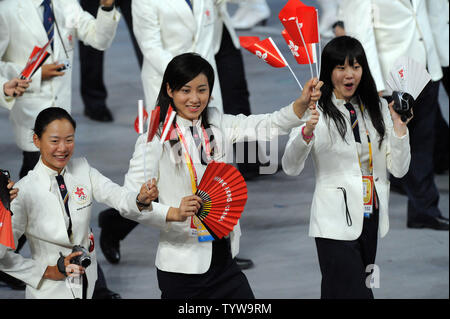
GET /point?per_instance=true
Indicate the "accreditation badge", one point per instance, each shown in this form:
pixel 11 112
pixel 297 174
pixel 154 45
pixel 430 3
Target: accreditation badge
pixel 200 230
pixel 368 195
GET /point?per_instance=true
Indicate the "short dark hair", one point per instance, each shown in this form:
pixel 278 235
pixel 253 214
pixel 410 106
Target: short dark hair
pixel 48 115
pixel 335 53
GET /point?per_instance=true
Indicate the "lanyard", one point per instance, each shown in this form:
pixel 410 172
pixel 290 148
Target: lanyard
pixel 187 156
pixel 368 140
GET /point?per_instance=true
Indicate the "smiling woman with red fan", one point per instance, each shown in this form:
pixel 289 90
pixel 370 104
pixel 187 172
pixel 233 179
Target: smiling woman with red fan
pixel 195 257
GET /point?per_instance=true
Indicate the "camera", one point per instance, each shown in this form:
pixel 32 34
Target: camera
pixel 403 103
pixel 65 66
pixel 84 259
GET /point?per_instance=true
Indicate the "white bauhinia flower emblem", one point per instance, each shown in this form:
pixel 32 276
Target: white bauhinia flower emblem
pixel 294 48
pixel 261 56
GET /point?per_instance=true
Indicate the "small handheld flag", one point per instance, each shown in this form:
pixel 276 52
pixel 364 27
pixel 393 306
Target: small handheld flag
pixel 37 58
pixel 267 51
pixel 167 126
pixel 141 118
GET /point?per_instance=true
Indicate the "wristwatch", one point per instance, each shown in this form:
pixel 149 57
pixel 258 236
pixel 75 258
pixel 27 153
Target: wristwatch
pixel 108 8
pixel 141 204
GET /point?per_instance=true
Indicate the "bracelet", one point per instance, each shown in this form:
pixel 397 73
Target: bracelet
pixel 307 137
pixel 141 204
pixel 108 9
pixel 60 264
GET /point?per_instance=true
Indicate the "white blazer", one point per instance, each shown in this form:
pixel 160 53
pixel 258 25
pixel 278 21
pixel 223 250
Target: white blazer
pixel 336 165
pixel 40 215
pixel 391 29
pixel 178 251
pixel 438 12
pixel 165 29
pixel 21 29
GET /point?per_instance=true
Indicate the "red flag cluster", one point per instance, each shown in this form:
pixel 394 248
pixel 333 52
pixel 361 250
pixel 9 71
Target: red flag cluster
pixel 301 33
pixel 35 61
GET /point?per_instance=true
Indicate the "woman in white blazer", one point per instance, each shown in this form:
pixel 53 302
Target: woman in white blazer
pixel 351 196
pixel 53 225
pixel 186 266
pixel 164 29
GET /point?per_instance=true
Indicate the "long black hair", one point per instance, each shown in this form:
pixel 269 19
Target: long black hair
pixel 335 53
pixel 182 69
pixel 48 115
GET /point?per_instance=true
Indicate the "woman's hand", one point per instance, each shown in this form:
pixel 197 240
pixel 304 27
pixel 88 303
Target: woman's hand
pixel 400 127
pixel 15 87
pixel 148 193
pixel 107 3
pixel 49 71
pixel 13 191
pixel 53 273
pixel 310 126
pixel 188 207
pixel 310 95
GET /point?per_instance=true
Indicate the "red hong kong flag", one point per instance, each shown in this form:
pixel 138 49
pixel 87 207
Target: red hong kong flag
pixel 153 124
pixel 296 16
pixel 139 124
pixel 299 52
pixel 35 61
pixel 265 49
pixel 167 128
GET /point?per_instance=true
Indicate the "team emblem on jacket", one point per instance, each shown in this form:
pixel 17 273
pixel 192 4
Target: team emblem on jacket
pixel 80 194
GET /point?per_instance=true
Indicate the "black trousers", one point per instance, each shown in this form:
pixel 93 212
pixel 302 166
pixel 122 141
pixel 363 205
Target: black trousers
pixel 419 184
pixel 343 263
pixel 93 90
pixel 223 280
pixel 441 134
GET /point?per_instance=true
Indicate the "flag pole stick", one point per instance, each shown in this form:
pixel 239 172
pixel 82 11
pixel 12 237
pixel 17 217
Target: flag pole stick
pixel 307 54
pixel 320 46
pixel 285 62
pixel 306 49
pixel 295 77
pixel 141 131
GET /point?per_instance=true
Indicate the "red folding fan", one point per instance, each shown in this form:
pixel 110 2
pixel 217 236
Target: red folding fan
pixel 224 194
pixel 6 233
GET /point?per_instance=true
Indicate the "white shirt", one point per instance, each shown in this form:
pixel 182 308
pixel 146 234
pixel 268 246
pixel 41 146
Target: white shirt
pixel 363 147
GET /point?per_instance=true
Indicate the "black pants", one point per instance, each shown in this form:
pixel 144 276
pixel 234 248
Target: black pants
pixel 224 279
pixel 419 184
pixel 441 134
pixel 93 90
pixel 343 263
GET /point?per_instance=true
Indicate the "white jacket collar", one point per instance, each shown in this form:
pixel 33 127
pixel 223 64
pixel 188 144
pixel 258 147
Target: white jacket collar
pixel 186 123
pixel 45 174
pixel 339 103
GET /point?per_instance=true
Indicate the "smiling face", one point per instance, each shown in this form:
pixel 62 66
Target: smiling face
pixel 345 79
pixel 56 144
pixel 192 98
